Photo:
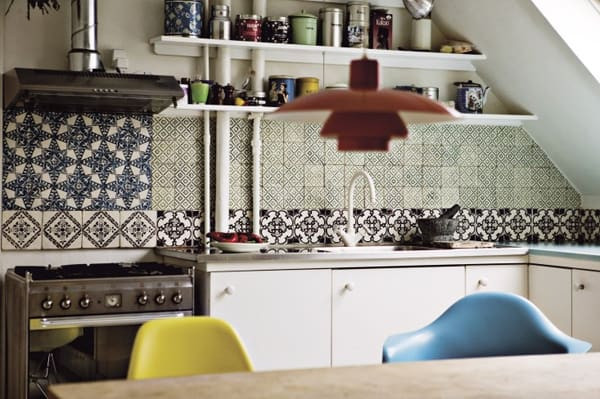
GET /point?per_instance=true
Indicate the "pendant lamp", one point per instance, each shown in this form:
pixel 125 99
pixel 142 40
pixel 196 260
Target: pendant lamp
pixel 364 118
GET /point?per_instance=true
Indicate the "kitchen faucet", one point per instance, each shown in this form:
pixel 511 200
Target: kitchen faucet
pixel 350 237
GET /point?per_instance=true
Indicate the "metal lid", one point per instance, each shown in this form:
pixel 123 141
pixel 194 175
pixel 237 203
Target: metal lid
pixel 337 86
pixel 258 94
pixel 468 83
pixel 308 79
pixel 358 3
pixel 303 14
pixel 281 77
pixel 249 16
pixel 220 7
pixel 331 10
pixel 379 10
pixel 277 19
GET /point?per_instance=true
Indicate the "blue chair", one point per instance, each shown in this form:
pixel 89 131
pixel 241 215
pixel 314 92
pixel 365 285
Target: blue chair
pixel 483 324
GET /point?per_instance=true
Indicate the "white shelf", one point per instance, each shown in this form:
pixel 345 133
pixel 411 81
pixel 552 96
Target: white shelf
pixel 193 47
pixel 468 119
pixel 373 3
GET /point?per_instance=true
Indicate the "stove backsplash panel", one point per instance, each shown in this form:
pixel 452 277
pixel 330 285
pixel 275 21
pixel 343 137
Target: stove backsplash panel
pixel 75 162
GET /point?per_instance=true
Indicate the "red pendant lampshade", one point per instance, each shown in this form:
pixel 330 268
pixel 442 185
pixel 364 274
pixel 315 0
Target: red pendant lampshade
pixel 364 118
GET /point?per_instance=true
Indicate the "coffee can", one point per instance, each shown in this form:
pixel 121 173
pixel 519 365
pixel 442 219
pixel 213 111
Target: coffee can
pixel 281 90
pixel 357 32
pixel 307 85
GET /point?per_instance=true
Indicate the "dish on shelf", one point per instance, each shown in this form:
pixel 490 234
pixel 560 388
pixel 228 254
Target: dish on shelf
pixel 239 247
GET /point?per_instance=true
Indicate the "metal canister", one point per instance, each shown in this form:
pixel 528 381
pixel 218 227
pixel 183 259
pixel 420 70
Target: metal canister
pixel 332 26
pixel 256 98
pixel 248 27
pixel 220 24
pixel 304 28
pixel 276 30
pixel 357 33
pixel 184 17
pixel 281 90
pixel 430 92
pixel 306 85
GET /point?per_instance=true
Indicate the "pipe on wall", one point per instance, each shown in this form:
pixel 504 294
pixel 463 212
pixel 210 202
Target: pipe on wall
pixel 256 160
pixel 206 156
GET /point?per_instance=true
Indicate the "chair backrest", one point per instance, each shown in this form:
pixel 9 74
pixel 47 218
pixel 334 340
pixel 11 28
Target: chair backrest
pixel 483 324
pixel 186 346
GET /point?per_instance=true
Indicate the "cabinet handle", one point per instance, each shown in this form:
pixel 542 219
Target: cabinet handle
pixel 349 287
pixel 483 282
pixel 580 287
pixel 229 290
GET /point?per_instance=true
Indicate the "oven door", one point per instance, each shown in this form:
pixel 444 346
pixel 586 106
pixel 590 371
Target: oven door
pixel 101 320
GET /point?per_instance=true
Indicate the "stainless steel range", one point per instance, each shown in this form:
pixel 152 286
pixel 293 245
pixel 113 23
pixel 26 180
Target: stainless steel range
pixel 78 322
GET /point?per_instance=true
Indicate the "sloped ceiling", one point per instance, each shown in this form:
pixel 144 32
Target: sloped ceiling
pixel 531 69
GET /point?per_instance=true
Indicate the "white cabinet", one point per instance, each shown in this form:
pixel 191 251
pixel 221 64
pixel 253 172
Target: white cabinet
pixel 550 290
pixel 586 305
pixel 505 278
pixel 283 317
pixel 369 305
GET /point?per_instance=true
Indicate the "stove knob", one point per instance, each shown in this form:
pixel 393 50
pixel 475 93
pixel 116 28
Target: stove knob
pixel 85 302
pixel 65 303
pixel 177 298
pixel 160 298
pixel 142 299
pixel 47 303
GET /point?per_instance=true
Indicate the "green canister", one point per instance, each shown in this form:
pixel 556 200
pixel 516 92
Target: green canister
pixel 304 28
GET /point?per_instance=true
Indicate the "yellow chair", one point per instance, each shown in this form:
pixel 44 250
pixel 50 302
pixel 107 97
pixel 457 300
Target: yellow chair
pixel 186 346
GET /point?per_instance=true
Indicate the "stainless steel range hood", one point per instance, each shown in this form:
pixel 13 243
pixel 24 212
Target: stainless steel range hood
pixel 71 91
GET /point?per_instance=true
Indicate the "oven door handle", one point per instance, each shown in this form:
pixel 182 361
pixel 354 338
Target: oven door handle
pixel 101 320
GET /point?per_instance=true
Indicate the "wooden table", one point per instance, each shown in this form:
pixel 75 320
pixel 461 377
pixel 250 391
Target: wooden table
pixel 544 376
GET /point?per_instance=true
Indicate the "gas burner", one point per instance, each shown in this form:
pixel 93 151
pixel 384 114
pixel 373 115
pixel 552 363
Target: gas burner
pixel 99 270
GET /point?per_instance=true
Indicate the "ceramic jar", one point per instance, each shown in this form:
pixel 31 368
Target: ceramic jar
pixel 304 28
pixel 184 17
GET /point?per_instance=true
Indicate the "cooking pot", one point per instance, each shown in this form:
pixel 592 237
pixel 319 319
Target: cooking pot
pixel 470 97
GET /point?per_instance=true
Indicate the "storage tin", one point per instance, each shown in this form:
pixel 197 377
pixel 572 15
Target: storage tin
pixel 256 98
pixel 248 27
pixel 220 24
pixel 381 29
pixel 357 33
pixel 430 92
pixel 281 90
pixel 276 30
pixel 184 17
pixel 332 26
pixel 304 28
pixel 306 85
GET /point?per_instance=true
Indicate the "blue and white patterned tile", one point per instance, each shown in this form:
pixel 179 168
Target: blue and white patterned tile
pixel 62 230
pixel 276 227
pixel 138 229
pixel 372 224
pixel 100 229
pixel 309 227
pixel 175 228
pixel 21 230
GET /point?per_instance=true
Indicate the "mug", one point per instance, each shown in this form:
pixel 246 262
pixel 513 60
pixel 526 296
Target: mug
pixel 199 92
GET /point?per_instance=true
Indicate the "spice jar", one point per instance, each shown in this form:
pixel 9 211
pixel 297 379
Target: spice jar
pixel 304 28
pixel 220 24
pixel 276 30
pixel 307 86
pixel 248 27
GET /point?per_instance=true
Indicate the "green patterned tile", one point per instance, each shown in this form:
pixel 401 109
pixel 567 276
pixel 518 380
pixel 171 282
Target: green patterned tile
pixel 162 176
pixel 379 174
pixel 572 198
pixel 524 157
pixel 293 175
pixel 450 155
pixel 468 155
pixel 505 177
pixel 431 135
pixel 293 197
pixel 432 197
pixel 432 155
pixel 486 176
pixel 312 132
pixel 272 131
pixel 332 155
pixel 354 158
pixel 522 138
pixel 413 176
pixel 272 198
pixel 162 153
pixel 468 197
pixel 413 154
pixel 539 157
pixel 391 197
pixel 413 197
pixel 505 197
pixel 432 176
pixel 468 176
pixel 314 198
pixel 314 176
pixel 415 134
pixel 240 197
pixel 273 175
pixel 487 197
pixel 334 197
pixel 505 135
pixel 245 174
pixel 293 153
pixel 395 155
pixel 375 158
pixel 293 132
pixel 272 152
pixel 334 175
pixel 523 177
pixel 488 155
pixel 163 198
pixel 395 176
pixel 450 176
pixel 315 152
pixel 450 196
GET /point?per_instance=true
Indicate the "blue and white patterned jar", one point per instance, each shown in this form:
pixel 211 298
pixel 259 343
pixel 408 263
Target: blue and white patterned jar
pixel 184 17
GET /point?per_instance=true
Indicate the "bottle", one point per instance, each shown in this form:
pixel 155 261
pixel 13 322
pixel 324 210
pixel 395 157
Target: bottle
pixel 220 24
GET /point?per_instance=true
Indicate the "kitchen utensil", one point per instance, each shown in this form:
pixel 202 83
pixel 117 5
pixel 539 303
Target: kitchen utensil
pixel 357 34
pixel 276 30
pixel 239 247
pixel 381 29
pixel 248 27
pixel 332 26
pixel 306 86
pixel 184 17
pixel 220 24
pixel 437 229
pixel 304 28
pixel 419 8
pixel 450 212
pixel 282 89
pixel 470 97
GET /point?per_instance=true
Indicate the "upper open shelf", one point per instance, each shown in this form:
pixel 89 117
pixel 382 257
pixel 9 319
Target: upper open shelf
pixel 193 47
pixel 373 3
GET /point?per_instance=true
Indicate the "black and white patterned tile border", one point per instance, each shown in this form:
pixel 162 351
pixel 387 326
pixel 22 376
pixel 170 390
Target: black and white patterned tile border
pixel 101 229
pixel 138 229
pixel 21 230
pixel 176 228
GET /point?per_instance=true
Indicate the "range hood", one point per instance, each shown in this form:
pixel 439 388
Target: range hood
pixel 74 91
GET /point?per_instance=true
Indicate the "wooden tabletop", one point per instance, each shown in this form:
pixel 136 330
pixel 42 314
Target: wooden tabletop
pixel 543 376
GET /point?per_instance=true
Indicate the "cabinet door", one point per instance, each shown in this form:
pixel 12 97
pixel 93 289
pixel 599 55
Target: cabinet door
pixel 371 304
pixel 550 290
pixel 505 278
pixel 283 317
pixel 586 302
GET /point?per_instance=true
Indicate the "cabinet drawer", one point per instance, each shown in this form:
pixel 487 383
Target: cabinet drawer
pixel 505 278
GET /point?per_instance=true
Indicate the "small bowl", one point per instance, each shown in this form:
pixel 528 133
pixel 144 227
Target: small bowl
pixel 435 229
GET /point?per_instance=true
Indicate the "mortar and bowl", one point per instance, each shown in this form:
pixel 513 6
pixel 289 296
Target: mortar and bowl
pixel 439 229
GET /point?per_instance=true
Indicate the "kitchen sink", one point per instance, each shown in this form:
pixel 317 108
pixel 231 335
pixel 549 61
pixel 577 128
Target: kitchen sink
pixel 373 248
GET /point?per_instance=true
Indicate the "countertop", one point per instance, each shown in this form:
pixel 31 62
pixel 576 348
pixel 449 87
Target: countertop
pixel 541 376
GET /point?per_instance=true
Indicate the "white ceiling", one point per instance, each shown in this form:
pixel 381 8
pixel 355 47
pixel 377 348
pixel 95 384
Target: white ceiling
pixel 532 69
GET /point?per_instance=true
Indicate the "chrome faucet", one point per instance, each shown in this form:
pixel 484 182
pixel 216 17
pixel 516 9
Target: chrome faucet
pixel 350 237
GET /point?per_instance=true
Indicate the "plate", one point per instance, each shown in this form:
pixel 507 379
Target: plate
pixel 239 247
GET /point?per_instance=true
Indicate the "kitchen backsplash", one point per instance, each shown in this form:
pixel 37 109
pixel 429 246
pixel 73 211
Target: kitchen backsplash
pixel 104 181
